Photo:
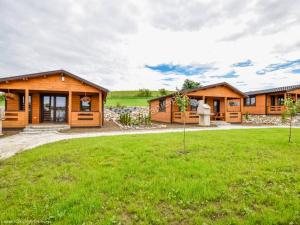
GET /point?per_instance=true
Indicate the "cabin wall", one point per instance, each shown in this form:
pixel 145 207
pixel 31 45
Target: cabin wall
pixel 53 84
pixel 259 108
pixel 219 91
pixel 49 83
pixel 160 116
pixel 76 103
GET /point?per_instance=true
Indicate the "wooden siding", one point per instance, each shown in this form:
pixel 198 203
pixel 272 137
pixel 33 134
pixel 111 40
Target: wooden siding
pixel 53 84
pixel 219 91
pixel 49 83
pixel 222 93
pixel 160 116
pixel 14 119
pixel 259 108
pixel 85 119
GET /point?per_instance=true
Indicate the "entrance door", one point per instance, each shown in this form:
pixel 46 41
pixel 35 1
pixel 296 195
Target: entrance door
pixel 216 106
pixel 54 108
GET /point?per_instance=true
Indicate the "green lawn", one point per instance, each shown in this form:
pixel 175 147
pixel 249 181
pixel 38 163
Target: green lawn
pixel 228 177
pixel 129 98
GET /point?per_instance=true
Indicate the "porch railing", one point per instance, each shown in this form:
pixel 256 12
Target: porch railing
pixel 85 119
pixel 14 119
pixel 275 109
pixel 190 117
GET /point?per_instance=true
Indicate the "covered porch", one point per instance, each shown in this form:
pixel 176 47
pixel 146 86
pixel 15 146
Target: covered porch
pixel 275 102
pixel 228 109
pixel 28 106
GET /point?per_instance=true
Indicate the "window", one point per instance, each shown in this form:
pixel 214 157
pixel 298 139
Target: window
pixel 162 105
pixel 233 103
pixel 281 100
pixel 194 104
pixel 273 101
pixel 22 102
pixel 85 106
pixel 250 101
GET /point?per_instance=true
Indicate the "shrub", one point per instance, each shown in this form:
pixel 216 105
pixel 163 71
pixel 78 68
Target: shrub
pixel 144 93
pixel 162 91
pixel 247 115
pixel 125 119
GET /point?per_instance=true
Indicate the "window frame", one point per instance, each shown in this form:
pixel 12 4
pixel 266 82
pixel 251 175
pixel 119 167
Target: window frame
pixel 162 105
pixel 81 102
pixel 250 97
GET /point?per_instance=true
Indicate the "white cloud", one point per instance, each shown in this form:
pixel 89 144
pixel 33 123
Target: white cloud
pixel 110 41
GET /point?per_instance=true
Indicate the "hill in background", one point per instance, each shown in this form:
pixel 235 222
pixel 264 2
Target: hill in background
pixel 130 98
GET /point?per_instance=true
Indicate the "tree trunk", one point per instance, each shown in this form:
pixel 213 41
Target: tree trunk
pixel 290 135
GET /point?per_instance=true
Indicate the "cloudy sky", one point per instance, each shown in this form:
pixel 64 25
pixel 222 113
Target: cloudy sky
pixel 131 44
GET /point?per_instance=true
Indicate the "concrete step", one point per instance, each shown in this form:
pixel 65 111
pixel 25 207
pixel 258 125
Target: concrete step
pixel 47 128
pixel 219 123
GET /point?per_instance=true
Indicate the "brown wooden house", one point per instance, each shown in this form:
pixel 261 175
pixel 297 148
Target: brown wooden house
pixel 226 104
pixel 270 101
pixel 52 97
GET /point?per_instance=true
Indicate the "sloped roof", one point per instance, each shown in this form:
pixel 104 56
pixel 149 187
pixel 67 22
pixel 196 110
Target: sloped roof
pixel 54 72
pixel 203 88
pixel 274 90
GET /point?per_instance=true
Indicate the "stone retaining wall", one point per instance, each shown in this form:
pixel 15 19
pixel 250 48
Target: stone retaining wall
pixel 269 120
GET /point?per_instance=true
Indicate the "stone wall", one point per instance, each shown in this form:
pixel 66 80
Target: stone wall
pixel 269 120
pixel 113 113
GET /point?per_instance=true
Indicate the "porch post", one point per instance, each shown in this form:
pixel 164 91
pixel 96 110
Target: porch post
pixel 26 122
pixel 100 110
pixel 225 108
pixel 70 108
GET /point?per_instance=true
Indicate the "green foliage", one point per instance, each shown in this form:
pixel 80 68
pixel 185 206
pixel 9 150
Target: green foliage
pixel 182 101
pixel 291 110
pixel 229 177
pixel 190 84
pixel 144 93
pixel 163 91
pixel 127 120
pixel 2 100
pixel 247 115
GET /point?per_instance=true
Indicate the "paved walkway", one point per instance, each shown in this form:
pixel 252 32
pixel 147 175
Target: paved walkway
pixel 11 145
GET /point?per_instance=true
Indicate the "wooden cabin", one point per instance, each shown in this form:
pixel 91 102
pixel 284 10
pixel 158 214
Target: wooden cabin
pixel 52 97
pixel 226 103
pixel 269 101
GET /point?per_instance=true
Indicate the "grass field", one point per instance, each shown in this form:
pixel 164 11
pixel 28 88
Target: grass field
pixel 228 177
pixel 128 98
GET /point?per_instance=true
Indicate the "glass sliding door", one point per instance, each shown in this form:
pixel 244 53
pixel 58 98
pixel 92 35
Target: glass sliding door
pixel 54 108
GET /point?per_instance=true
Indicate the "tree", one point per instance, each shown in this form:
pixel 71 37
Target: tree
pixel 144 93
pixel 190 84
pixel 182 103
pixel 291 110
pixel 163 92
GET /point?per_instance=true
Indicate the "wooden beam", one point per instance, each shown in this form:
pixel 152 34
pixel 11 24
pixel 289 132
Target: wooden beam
pixel 70 108
pixel 26 107
pixel 100 110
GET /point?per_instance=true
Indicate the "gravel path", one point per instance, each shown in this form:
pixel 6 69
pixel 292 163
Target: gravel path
pixel 11 145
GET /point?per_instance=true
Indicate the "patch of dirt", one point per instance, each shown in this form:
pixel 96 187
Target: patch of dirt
pixel 108 126
pixel 10 132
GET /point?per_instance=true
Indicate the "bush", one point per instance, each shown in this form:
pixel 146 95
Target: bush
pixel 127 120
pixel 162 92
pixel 144 93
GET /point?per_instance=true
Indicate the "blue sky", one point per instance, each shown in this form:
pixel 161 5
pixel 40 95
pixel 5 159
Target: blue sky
pixel 155 43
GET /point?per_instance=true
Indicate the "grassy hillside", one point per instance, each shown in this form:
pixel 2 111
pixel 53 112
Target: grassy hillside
pixel 129 98
pixel 145 179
